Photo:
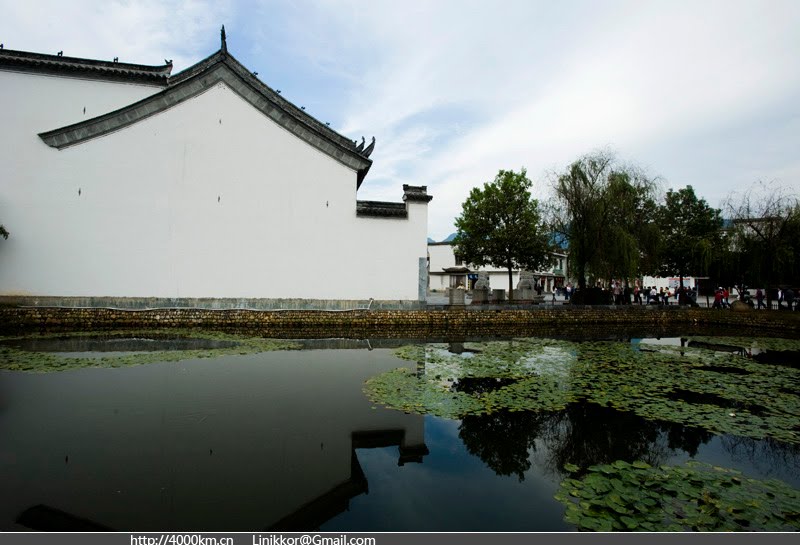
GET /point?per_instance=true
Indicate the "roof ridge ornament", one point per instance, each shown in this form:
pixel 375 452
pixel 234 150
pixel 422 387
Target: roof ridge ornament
pixel 368 151
pixel 224 45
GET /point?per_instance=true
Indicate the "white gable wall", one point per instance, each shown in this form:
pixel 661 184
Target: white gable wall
pixel 207 199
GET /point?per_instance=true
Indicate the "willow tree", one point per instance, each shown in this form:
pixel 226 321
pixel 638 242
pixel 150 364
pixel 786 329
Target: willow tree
pixel 3 232
pixel 692 233
pixel 632 238
pixel 605 213
pixel 501 225
pixel 580 211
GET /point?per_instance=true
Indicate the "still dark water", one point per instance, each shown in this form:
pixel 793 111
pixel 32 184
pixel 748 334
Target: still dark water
pixel 287 440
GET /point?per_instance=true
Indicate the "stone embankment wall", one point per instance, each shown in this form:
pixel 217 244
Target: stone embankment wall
pixel 403 323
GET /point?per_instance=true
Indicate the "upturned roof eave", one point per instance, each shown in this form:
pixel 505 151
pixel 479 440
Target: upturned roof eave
pixel 42 63
pixel 197 78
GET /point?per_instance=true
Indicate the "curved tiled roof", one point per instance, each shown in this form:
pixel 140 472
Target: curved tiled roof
pixel 380 209
pixel 416 193
pixel 24 61
pixel 219 67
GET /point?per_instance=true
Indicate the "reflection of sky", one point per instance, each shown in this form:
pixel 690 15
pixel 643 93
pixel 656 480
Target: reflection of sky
pixel 451 490
pixel 554 361
pixel 753 458
pixel 551 361
pixel 662 341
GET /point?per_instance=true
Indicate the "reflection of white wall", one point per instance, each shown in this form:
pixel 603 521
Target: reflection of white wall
pixel 208 199
pixel 231 443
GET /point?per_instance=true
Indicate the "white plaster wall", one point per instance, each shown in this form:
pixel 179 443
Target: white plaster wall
pixel 32 209
pixel 439 282
pixel 207 199
pixel 441 257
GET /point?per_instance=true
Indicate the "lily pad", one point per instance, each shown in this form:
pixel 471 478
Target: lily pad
pixel 15 359
pixel 694 496
pixel 679 384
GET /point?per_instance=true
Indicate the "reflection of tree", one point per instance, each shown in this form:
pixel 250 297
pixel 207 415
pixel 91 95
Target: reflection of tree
pixel 586 434
pixel 583 434
pixel 503 439
pixel 686 438
pixel 481 385
pixel 769 455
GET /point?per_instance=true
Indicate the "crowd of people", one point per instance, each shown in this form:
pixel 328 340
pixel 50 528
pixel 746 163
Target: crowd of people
pixel 721 298
pixel 661 296
pixel 619 294
pixel 645 295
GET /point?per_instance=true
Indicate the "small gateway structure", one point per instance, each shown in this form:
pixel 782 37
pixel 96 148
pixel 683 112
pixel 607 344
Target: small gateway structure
pixel 125 185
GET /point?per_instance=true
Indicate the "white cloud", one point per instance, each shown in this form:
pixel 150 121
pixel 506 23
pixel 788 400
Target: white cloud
pixel 143 32
pixel 547 86
pixel 699 92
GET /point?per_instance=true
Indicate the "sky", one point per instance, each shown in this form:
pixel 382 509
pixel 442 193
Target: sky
pixel 702 93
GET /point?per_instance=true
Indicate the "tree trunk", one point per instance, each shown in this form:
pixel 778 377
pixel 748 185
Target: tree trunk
pixel 769 293
pixel 581 276
pixel 510 284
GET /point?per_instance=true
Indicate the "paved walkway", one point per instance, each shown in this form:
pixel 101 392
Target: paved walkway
pixel 440 299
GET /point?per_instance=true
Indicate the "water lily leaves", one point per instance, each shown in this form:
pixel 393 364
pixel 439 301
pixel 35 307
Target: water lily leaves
pixel 762 343
pixel 14 359
pixel 694 496
pixel 721 392
pixel 526 374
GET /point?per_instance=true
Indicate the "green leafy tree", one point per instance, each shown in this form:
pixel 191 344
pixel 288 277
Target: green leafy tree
pixel 691 231
pixel 501 225
pixel 3 232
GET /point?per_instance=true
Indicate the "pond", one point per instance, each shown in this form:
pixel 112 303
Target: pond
pixel 217 432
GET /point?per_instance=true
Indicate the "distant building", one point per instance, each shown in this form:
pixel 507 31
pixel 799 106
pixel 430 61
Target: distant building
pixel 672 282
pixel 125 181
pixel 447 270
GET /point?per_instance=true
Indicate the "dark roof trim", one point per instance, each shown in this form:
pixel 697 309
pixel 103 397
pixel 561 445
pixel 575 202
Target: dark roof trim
pixel 416 193
pixel 219 67
pixel 57 65
pixel 377 209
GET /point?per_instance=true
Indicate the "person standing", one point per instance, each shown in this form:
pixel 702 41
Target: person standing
pixel 759 298
pixel 717 298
